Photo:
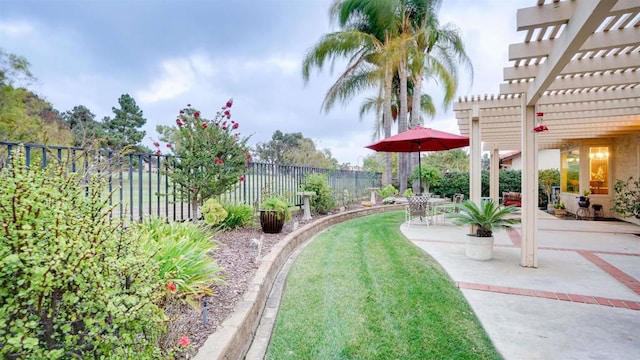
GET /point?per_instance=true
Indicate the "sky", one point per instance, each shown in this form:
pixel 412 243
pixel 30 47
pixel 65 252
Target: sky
pixel 169 53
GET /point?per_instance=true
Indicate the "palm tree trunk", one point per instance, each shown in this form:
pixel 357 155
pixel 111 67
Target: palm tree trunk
pixel 403 165
pixel 386 118
pixel 416 110
pixel 416 113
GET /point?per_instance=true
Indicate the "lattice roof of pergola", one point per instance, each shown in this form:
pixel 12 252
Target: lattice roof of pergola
pixel 578 64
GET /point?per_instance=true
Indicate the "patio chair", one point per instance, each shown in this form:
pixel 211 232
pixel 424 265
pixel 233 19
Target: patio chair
pixel 441 211
pixel 417 208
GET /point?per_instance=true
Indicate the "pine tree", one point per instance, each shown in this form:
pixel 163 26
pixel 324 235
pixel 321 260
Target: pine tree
pixel 123 129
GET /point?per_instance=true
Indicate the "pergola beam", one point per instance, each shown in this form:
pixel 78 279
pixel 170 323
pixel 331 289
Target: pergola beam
pixel 560 13
pixel 598 64
pixel 602 80
pixel 584 21
pixel 553 98
pixel 627 37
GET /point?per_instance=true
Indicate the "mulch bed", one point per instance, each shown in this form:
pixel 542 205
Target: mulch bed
pixel 237 257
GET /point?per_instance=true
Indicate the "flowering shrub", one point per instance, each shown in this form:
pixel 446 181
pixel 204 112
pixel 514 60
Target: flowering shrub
pixel 211 156
pixel 73 282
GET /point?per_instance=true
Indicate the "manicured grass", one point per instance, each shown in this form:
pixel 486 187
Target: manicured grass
pixel 361 290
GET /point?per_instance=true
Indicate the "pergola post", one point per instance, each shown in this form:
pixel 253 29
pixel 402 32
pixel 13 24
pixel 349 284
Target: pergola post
pixel 475 158
pixel 529 191
pixel 494 175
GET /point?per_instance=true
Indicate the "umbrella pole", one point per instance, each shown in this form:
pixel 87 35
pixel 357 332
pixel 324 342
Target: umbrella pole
pixel 419 172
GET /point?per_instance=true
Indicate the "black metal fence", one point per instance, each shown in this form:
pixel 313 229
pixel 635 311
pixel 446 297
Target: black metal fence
pixel 138 187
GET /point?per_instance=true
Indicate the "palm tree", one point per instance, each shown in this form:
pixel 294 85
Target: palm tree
pixel 365 40
pixel 435 53
pixel 382 38
pixel 374 105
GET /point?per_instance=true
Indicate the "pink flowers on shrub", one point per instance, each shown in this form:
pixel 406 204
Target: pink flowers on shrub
pixel 171 286
pixel 215 140
pixel 184 341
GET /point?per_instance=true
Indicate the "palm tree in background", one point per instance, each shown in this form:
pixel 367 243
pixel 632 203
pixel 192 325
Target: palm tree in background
pixel 365 40
pixel 383 39
pixel 374 105
pixel 436 53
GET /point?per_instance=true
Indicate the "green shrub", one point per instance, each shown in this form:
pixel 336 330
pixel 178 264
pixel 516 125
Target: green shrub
pixel 388 191
pixel 74 283
pixel 183 254
pixel 430 175
pixel 213 211
pixel 238 216
pixel 323 201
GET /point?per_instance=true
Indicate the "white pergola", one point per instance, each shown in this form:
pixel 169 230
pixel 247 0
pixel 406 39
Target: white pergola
pixel 579 65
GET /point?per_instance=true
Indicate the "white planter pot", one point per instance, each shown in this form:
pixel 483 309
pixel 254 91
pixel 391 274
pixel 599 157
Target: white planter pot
pixel 479 248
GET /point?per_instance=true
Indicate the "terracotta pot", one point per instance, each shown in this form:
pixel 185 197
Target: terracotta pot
pixel 271 222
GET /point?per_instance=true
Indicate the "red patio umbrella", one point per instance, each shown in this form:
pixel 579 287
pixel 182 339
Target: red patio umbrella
pixel 420 139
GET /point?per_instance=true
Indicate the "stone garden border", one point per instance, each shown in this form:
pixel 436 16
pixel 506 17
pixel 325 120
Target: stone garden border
pixel 234 336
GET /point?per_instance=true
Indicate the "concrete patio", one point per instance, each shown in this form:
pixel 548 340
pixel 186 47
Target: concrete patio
pixel 582 302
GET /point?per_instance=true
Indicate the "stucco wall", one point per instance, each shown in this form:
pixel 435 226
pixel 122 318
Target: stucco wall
pixel 547 159
pixel 625 160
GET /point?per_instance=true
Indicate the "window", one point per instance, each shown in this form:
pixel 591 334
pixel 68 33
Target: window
pixel 599 170
pixel 570 171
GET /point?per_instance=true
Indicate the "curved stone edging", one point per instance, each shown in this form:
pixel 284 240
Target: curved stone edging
pixel 233 337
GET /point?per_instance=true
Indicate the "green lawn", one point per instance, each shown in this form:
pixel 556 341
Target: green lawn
pixel 361 290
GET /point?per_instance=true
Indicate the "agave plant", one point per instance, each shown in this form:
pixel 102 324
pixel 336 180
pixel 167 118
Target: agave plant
pixel 487 217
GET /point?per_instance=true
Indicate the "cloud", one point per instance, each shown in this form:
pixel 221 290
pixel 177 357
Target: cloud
pixel 281 63
pixel 177 76
pixel 15 28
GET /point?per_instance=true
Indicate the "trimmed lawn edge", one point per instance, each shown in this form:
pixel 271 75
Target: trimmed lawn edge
pixel 234 336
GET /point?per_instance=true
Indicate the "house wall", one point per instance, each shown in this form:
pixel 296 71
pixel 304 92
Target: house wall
pixel 547 159
pixel 624 162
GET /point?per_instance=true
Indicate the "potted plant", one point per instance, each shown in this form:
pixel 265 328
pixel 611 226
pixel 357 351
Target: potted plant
pixel 484 219
pixel 274 212
pixel 559 209
pixel 584 201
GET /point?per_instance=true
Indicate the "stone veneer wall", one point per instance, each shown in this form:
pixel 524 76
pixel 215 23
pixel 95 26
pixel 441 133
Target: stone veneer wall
pixel 234 336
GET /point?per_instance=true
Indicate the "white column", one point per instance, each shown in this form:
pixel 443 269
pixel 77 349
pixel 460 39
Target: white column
pixel 475 158
pixel 494 175
pixel 529 244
